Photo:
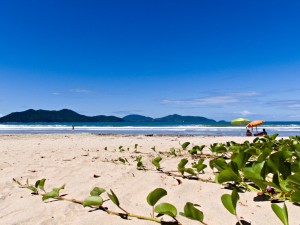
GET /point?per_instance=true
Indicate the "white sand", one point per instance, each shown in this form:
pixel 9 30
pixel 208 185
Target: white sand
pixel 74 159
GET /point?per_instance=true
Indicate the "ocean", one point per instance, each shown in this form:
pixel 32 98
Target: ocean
pixel 150 128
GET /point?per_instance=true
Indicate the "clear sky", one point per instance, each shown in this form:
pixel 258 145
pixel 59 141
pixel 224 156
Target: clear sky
pixel 218 59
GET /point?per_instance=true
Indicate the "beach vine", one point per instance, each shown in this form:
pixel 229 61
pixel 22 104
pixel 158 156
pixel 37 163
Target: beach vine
pixel 268 166
pixel 96 201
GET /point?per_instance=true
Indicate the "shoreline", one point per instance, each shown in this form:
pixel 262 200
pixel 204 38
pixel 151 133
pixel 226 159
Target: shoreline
pixel 83 161
pixel 148 129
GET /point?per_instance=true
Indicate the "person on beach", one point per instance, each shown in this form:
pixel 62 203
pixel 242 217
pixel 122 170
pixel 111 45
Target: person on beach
pixel 248 133
pixel 263 133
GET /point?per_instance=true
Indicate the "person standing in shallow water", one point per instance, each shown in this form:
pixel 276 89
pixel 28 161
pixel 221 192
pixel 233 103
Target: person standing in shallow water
pixel 73 127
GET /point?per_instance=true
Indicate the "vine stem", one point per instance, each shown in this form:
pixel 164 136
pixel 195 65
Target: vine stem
pixel 249 187
pixel 123 210
pixel 153 211
pixel 70 200
pixel 171 173
pixel 239 220
pixel 122 215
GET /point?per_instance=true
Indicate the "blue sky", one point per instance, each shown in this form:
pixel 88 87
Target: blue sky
pixel 218 59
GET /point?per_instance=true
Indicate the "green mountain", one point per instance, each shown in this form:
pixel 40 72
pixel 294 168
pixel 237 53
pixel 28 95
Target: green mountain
pixel 107 119
pixel 137 118
pixel 184 119
pixel 64 115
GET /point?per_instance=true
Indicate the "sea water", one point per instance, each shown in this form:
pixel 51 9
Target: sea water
pixel 150 128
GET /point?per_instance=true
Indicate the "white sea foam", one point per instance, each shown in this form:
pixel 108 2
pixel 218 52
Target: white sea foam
pixel 180 129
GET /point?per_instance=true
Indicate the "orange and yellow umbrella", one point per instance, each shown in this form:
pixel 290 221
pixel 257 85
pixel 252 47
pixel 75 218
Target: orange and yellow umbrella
pixel 255 123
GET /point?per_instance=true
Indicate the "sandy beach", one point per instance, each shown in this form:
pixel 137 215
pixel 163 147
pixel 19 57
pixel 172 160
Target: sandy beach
pixel 84 161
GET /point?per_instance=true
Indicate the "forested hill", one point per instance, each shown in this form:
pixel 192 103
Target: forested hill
pixel 66 115
pixel 170 118
pixel 184 119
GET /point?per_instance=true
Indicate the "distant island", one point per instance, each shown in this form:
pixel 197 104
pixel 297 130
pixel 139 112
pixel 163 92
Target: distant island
pixel 64 115
pixel 67 115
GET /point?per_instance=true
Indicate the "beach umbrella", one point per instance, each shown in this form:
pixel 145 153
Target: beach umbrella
pixel 240 121
pixel 255 123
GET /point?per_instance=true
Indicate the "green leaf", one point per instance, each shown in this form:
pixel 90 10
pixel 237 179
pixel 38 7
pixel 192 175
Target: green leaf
pixel 97 191
pixel 281 213
pixel 241 159
pixel 285 169
pixel 294 180
pixel 227 202
pixel 190 171
pixel 230 201
pixel 196 148
pixel 166 209
pixel 114 198
pixel 255 139
pixel 156 161
pixel 297 146
pixel 254 171
pixel 218 148
pixel 273 136
pixel 139 164
pixel 233 165
pixel 52 194
pixel 181 165
pixel 122 160
pixel 272 184
pixel 295 167
pixel 264 154
pixel 276 160
pixel 18 182
pixel 201 147
pixel 220 164
pixel 58 189
pixel 42 184
pixel 295 197
pixel 32 188
pixel 275 179
pixel 191 212
pixel 200 166
pixel 154 196
pixel 92 201
pixel 139 158
pixel 262 184
pixel 234 197
pixel 193 151
pixel 37 183
pixel 185 145
pixel 285 187
pixel 228 175
pixel 172 152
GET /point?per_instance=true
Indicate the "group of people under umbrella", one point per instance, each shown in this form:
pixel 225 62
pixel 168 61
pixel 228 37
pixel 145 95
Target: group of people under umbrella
pixel 252 124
